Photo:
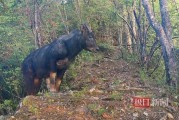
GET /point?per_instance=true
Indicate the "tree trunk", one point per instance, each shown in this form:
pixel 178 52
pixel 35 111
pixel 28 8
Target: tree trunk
pixel 38 40
pixel 166 24
pixel 78 9
pixel 128 36
pixel 141 33
pixel 134 27
pixel 164 33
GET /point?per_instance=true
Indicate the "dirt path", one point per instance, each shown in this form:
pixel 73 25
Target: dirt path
pixel 103 89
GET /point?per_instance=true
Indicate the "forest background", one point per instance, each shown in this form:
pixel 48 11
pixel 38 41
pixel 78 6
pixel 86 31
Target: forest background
pixel 146 32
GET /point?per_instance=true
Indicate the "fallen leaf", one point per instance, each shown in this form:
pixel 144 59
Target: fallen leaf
pixel 106 116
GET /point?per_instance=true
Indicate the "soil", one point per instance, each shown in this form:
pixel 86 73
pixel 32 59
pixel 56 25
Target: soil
pixel 103 89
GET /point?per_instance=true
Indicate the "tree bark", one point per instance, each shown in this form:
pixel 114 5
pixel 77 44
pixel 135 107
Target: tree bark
pixel 164 36
pixel 141 33
pixel 134 42
pixel 78 9
pixel 166 24
pixel 38 40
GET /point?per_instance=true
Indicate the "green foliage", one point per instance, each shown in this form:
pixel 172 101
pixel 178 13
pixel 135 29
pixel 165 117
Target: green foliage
pixel 116 96
pixel 31 106
pixel 97 109
pixel 101 111
pixel 72 72
pixel 17 38
pixel 14 47
pixel 80 94
pixel 104 46
pixel 152 76
pixel 143 75
pixel 124 54
pixel 8 106
pixel 93 106
pixel 33 109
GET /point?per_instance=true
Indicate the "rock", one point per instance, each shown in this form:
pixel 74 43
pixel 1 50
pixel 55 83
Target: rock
pixel 176 97
pixel 135 114
pixel 70 92
pixel 94 98
pixel 123 110
pixel 12 117
pixel 146 114
pixel 95 91
pixel 170 116
pixel 92 90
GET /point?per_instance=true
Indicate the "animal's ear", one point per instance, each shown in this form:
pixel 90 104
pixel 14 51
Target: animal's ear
pixel 83 28
pixel 88 28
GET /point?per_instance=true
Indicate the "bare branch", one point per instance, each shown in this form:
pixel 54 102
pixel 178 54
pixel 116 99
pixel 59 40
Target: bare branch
pixel 130 28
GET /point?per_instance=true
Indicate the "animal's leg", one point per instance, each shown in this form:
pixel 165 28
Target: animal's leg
pixel 52 81
pixel 60 74
pixel 48 83
pixel 57 84
pixel 37 84
pixel 29 84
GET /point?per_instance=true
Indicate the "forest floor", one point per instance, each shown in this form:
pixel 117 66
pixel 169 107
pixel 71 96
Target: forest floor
pixel 102 89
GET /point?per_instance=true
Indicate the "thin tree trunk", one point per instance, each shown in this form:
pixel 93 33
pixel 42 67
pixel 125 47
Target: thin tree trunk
pixel 78 9
pixel 35 24
pixel 120 35
pixel 128 40
pixel 119 29
pixel 166 24
pixel 153 7
pixel 38 40
pixel 64 18
pixel 141 32
pixel 170 65
pixel 134 27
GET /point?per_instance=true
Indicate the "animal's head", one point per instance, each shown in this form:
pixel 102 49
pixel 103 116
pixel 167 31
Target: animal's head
pixel 90 42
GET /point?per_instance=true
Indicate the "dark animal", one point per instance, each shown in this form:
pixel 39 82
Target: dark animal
pixel 52 60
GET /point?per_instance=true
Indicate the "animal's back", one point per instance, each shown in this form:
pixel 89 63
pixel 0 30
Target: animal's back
pixel 38 61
